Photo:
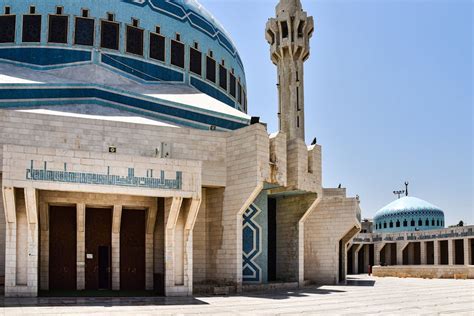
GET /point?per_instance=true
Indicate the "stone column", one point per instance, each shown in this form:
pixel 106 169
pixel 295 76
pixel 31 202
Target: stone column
pixel 400 247
pixel 411 253
pixel 423 253
pixel 388 253
pixel 116 222
pixel 81 246
pixel 366 258
pixel 31 204
pixel 172 209
pixel 355 258
pixel 451 252
pixel 149 246
pixel 436 252
pixel 378 247
pixel 467 251
pixel 10 241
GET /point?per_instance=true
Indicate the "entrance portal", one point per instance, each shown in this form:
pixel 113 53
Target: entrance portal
pixel 62 248
pixel 132 250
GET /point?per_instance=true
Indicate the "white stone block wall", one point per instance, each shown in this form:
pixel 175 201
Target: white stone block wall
pixel 289 212
pixel 2 233
pixel 333 219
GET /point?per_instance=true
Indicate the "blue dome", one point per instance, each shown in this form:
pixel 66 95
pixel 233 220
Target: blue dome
pixel 408 214
pixel 168 60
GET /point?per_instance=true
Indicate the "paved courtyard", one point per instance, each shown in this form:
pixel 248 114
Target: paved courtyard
pixel 362 295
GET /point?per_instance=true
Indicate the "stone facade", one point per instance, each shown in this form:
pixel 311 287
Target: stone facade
pixel 437 253
pixel 196 188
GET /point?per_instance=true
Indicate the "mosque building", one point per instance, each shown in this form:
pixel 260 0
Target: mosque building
pixel 408 238
pixel 128 161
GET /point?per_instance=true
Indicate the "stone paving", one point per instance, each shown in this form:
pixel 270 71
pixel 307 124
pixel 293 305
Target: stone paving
pixel 362 295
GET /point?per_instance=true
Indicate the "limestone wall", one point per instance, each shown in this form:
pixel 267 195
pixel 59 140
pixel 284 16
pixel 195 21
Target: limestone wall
pixel 290 210
pixel 66 133
pixel 2 235
pixel 427 271
pixel 332 220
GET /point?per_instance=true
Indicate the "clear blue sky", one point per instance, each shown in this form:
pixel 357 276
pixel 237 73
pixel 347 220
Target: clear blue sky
pixel 389 94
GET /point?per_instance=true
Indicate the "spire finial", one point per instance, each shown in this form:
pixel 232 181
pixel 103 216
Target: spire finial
pixel 406 188
pixel 289 6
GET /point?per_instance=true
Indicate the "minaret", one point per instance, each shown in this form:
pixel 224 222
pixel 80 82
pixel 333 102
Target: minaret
pixel 289 34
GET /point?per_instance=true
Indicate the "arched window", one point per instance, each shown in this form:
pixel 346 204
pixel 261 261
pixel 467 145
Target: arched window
pixel 405 223
pixel 427 222
pixel 437 222
pixel 432 222
pixel 420 222
pixel 412 223
pixel 442 223
pixel 397 223
pixel 391 224
pixel 384 224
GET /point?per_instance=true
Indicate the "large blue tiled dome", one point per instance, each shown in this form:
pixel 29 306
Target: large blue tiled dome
pixel 166 60
pixel 408 214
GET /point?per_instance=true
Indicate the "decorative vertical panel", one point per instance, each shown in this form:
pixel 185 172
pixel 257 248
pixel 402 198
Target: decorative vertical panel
pixel 251 245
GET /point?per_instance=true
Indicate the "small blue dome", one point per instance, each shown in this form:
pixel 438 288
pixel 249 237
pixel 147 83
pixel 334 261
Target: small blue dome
pixel 408 214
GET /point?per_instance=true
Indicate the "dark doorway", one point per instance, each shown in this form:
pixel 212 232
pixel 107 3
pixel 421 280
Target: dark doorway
pixel 349 260
pixel 62 248
pixel 104 267
pixel 132 250
pixel 272 236
pixel 459 251
pixel 429 252
pixel 371 255
pixel 98 248
pixel 360 263
pixel 417 253
pixel 342 249
pixel 471 244
pixel 443 252
pixel 393 254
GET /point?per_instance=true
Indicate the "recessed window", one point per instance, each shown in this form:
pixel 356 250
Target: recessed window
pixel 391 224
pixel 405 223
pixel 195 61
pixel 437 222
pixel 158 29
pixel 110 17
pixel 210 69
pixel 84 31
pixel 85 13
pixel 211 54
pixel 58 27
pixel 222 77
pixel 178 37
pixel 300 29
pixel 7 28
pixel 135 22
pixel 384 224
pixel 31 28
pixel 109 35
pixel 432 222
pixel 412 223
pixel 59 10
pixel 157 47
pixel 232 88
pixel 239 93
pixel 32 9
pixel 177 53
pixel 244 99
pixel 427 223
pixel 397 224
pixel 134 40
pixel 7 10
pixel 284 29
